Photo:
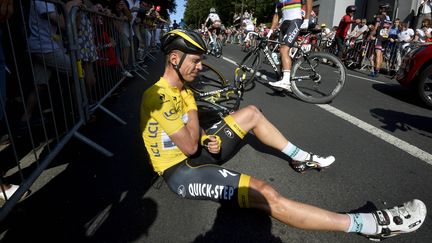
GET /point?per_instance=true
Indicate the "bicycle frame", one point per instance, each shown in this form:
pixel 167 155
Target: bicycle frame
pixel 298 53
pixel 263 45
pixel 215 97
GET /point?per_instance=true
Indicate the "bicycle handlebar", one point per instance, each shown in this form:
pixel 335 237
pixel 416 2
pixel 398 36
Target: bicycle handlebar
pixel 249 34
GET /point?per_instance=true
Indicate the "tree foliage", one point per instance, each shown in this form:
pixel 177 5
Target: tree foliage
pixel 196 11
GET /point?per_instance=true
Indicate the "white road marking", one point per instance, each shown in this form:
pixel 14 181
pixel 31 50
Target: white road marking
pixel 408 148
pixel 411 149
pixel 229 60
pixel 368 79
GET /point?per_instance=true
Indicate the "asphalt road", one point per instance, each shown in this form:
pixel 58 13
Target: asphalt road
pixel 379 133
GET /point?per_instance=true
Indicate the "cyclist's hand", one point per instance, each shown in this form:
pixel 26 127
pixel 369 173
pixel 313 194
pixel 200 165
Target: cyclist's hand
pixel 212 143
pixel 305 24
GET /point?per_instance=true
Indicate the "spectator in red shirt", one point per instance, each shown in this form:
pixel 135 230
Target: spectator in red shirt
pixel 343 28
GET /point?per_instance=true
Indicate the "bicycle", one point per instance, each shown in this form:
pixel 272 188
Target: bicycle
pixel 249 42
pixel 214 95
pixel 308 82
pixel 214 45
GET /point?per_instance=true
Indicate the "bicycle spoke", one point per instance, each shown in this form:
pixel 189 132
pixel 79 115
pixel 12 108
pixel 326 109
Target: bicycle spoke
pixel 318 78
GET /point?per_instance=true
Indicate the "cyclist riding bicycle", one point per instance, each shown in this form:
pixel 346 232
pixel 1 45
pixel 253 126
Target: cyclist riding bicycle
pixel 292 22
pixel 213 23
pixel 248 26
pixel 192 169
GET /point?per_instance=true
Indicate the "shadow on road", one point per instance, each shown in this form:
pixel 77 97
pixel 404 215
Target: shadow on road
pixel 239 225
pixel 94 198
pixel 396 120
pixel 400 93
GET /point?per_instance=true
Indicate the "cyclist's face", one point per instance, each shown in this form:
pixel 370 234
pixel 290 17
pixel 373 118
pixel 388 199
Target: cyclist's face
pixel 191 67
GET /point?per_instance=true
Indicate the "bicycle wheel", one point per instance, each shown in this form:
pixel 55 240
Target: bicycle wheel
pixel 218 51
pixel 251 62
pixel 213 94
pixel 321 78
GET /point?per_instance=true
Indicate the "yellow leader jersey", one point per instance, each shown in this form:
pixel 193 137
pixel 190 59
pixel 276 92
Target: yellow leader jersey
pixel 164 112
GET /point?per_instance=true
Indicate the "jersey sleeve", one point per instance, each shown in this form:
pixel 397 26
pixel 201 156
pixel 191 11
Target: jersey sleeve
pixel 166 111
pixel 188 100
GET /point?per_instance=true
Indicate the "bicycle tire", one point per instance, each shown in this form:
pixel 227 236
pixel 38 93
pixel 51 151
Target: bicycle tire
pixel 219 48
pixel 311 85
pixel 252 62
pixel 213 94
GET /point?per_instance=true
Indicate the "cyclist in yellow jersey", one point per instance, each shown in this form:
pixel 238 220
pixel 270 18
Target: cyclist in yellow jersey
pixel 189 159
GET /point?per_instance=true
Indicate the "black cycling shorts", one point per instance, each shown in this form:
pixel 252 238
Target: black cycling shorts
pixel 290 29
pixel 213 27
pixel 202 177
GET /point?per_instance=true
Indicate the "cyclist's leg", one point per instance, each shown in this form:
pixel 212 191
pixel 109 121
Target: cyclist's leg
pixel 378 57
pixel 264 197
pixel 251 118
pixel 289 32
pixel 216 183
pixel 204 182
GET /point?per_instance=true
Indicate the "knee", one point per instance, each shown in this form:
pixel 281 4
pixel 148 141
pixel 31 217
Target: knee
pixel 254 113
pixel 269 194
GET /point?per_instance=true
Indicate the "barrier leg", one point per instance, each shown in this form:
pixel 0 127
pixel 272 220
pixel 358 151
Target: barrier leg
pixel 112 115
pixel 93 144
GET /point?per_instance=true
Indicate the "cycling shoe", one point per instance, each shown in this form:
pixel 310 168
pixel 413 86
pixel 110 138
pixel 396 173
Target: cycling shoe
pixel 314 162
pixel 402 219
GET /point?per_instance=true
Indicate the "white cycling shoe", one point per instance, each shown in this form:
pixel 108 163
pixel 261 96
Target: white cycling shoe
pixel 281 84
pixel 402 219
pixel 314 162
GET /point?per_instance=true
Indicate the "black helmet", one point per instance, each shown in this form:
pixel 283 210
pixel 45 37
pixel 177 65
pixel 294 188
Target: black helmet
pixel 385 6
pixel 183 40
pixel 350 9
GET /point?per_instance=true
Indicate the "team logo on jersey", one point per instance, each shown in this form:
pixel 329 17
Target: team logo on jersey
pixel 221 192
pixel 181 191
pixel 229 133
pixel 225 173
pixel 171 115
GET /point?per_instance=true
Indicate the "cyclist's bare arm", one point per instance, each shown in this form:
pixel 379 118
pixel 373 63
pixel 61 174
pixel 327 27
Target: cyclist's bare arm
pixel 308 9
pixel 186 139
pixel 275 20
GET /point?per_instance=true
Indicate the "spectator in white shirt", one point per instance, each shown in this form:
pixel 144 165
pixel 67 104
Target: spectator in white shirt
pixel 424 12
pixel 359 30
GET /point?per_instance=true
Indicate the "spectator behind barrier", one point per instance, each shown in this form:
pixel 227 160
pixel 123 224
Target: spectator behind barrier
pixel 122 11
pixel 424 11
pixel 159 22
pixel 429 35
pixel 46 47
pixel 137 9
pixel 87 49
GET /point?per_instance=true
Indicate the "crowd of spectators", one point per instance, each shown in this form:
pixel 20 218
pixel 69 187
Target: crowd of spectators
pixel 379 40
pixel 37 66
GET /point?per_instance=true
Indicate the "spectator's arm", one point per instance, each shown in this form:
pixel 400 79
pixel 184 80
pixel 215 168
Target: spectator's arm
pixel 127 13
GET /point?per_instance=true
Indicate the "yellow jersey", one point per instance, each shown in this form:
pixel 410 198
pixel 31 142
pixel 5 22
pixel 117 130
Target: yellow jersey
pixel 164 112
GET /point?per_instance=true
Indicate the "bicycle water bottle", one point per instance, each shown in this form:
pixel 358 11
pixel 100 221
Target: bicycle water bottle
pixel 275 58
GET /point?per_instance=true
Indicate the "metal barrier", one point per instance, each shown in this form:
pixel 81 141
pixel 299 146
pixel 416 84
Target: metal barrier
pixel 53 84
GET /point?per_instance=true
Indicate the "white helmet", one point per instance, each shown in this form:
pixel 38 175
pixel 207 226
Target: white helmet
pixel 212 10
